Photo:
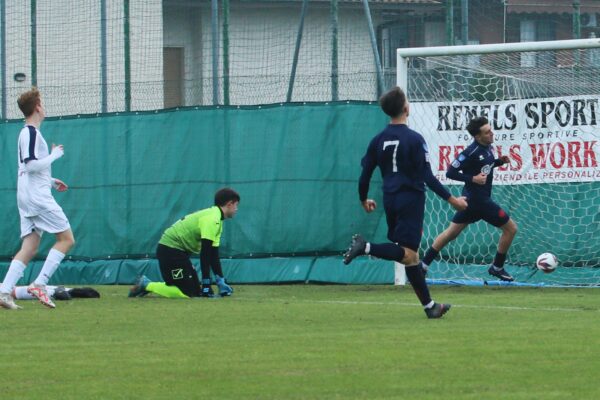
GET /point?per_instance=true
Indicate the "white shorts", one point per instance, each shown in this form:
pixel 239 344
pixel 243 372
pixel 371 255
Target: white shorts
pixel 51 221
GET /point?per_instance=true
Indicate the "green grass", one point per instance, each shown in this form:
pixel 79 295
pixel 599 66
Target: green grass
pixel 307 342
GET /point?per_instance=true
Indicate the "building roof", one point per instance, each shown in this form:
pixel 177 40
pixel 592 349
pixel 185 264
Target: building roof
pixel 436 2
pixel 377 3
pixel 419 2
pixel 551 6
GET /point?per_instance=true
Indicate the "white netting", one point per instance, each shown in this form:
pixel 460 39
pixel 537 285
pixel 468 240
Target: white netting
pixel 544 110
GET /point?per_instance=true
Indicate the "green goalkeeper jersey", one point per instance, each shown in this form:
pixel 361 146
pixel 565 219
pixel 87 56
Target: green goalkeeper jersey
pixel 187 233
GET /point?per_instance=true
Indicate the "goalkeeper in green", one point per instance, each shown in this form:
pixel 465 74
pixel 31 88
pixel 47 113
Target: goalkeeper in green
pixel 196 232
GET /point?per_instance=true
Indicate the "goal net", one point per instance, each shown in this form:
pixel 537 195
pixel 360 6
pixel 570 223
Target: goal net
pixel 542 101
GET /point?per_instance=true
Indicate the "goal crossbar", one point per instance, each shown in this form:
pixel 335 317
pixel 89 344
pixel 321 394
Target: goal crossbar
pixel 404 54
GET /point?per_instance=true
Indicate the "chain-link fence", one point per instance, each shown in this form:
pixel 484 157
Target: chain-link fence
pixel 95 56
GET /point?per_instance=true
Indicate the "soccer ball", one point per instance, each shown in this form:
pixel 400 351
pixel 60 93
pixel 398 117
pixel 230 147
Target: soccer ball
pixel 546 262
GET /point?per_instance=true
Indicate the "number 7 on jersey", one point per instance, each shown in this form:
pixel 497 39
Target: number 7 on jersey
pixel 394 143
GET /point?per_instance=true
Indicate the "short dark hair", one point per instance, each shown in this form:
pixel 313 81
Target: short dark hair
pixel 474 126
pixel 225 195
pixel 393 102
pixel 28 101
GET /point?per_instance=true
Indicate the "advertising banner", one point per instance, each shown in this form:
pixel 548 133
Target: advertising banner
pixel 547 140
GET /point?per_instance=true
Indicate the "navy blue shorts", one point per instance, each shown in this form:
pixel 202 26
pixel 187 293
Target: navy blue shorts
pixel 485 209
pixel 404 212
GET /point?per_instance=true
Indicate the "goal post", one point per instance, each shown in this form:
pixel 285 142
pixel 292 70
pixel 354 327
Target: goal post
pixel 543 103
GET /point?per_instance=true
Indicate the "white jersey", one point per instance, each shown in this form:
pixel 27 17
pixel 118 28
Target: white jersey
pixel 34 195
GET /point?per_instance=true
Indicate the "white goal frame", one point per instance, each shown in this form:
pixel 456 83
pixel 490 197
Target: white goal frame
pixel 404 54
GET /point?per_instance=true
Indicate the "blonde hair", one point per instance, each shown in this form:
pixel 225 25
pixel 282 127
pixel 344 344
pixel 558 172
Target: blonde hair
pixel 28 101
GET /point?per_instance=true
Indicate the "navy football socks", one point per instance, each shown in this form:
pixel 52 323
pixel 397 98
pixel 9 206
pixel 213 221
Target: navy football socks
pixel 387 251
pixel 415 276
pixel 499 260
pixel 430 255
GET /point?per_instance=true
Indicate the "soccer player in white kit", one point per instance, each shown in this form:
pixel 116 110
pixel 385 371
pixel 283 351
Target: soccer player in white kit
pixel 38 210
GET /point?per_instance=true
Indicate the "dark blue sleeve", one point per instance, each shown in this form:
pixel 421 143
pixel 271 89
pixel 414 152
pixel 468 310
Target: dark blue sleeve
pixel 422 159
pixel 454 169
pixel 369 163
pixel 498 162
pixel 432 182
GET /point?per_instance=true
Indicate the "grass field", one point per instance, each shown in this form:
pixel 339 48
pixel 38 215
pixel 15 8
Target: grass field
pixel 307 342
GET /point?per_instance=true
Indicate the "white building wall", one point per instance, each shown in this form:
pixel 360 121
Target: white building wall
pixel 69 54
pixel 18 53
pixel 358 75
pixel 262 40
pixel 146 35
pixel 262 43
pixel 183 28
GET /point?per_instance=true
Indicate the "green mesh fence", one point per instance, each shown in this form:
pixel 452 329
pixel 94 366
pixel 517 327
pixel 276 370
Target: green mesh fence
pixel 296 168
pixel 133 175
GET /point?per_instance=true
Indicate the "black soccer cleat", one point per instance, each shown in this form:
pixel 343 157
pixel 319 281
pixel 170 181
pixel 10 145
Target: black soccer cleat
pixel 357 248
pixel 84 293
pixel 207 291
pixel 500 274
pixel 139 288
pixel 437 310
pixel 60 293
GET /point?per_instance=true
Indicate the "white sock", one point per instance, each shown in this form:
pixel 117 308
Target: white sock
pixel 22 294
pixel 367 248
pixel 15 272
pixel 54 258
pixel 430 304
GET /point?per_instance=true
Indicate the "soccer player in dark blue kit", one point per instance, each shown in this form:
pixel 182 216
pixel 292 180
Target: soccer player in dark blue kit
pixel 402 157
pixel 475 167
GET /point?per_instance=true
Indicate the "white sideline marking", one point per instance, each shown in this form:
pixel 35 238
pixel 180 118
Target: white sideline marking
pixel 381 303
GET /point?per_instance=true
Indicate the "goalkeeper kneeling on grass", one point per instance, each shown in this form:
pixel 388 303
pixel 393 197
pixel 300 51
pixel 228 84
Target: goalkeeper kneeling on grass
pixel 196 232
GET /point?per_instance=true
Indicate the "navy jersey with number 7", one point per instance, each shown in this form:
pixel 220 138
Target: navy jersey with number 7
pixel 403 159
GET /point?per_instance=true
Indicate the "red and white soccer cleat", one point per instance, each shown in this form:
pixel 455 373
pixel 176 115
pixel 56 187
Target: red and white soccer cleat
pixel 40 293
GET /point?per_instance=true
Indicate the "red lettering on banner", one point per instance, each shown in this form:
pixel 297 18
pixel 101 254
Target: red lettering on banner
pixel 538 155
pixel 444 155
pixel 561 149
pixel 589 154
pixel 444 158
pixel 574 148
pixel 499 151
pixel 569 154
pixel 515 154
